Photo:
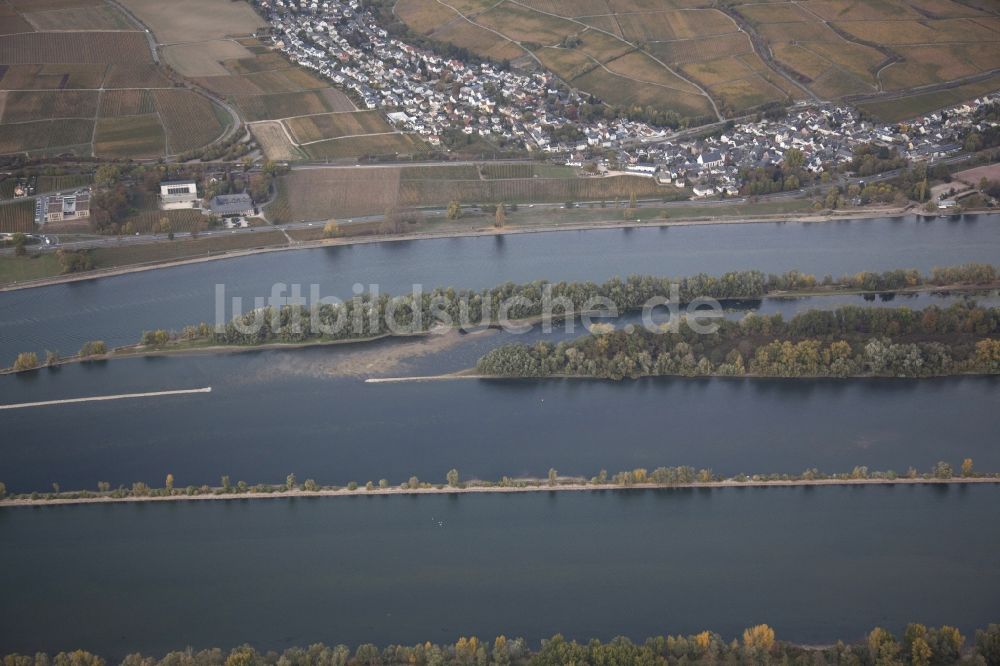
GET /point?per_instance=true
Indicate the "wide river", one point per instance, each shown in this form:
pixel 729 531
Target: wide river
pixel 117 309
pixel 816 564
pixel 275 412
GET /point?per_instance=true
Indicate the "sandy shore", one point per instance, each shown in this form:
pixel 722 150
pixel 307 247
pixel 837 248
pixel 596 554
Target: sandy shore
pixel 543 488
pixel 484 231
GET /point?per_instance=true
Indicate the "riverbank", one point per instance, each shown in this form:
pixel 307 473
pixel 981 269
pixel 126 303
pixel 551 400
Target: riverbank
pixel 863 214
pixel 537 486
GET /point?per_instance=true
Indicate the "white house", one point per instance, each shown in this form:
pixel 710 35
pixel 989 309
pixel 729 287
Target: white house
pixel 178 194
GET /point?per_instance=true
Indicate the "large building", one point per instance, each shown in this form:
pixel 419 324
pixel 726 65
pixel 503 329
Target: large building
pixel 67 207
pixel 178 194
pixel 232 205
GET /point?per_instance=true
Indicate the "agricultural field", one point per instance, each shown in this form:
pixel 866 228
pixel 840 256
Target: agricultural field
pixel 95 17
pixel 911 106
pixel 671 53
pixel 372 145
pixel 23 106
pixel 195 20
pixel 137 137
pixel 319 194
pixel 287 105
pixel 134 102
pixel 46 136
pixel 79 78
pixel 17 216
pixel 308 129
pixel 273 139
pixel 190 120
pixel 64 182
pixel 841 48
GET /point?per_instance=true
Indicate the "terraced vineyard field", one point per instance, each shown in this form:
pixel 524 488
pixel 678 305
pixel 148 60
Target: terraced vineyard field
pixel 670 54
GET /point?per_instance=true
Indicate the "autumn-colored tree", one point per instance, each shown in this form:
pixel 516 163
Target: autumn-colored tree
pixel 25 361
pixel 501 217
pixel 883 648
pixel 553 475
pixel 454 210
pixel 331 229
pixel 169 483
pixel 967 467
pixel 757 643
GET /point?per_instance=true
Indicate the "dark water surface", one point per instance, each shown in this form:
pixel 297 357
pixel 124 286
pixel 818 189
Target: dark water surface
pixel 275 412
pixel 816 564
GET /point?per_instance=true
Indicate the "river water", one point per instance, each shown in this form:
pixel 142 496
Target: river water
pixel 816 564
pixel 63 317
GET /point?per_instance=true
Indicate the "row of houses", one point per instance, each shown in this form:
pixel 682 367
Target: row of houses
pixel 826 136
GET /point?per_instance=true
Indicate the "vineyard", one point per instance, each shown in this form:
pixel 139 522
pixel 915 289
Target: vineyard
pixel 190 120
pixel 45 135
pixel 500 170
pixel 148 221
pixel 115 103
pixel 17 216
pixel 136 76
pixel 333 125
pixel 341 193
pixel 373 144
pixel 23 106
pixel 130 136
pixel 287 105
pixel 75 47
pixel 67 182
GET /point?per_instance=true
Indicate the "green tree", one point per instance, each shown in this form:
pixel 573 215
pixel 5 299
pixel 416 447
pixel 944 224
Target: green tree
pixel 942 470
pixel 794 159
pixel 290 482
pixel 226 485
pixel 988 644
pixel 553 475
pixel 20 242
pixel 452 477
pixel 3 490
pixel 883 649
pixel 413 483
pixel 107 175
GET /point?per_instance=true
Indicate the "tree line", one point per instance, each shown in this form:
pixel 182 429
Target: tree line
pixel 758 645
pixel 369 315
pixel 849 341
pixel 661 476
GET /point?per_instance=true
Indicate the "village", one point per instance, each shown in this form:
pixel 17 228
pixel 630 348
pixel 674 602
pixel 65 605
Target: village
pixel 425 93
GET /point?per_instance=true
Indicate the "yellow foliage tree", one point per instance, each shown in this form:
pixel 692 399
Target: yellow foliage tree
pixel 759 637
